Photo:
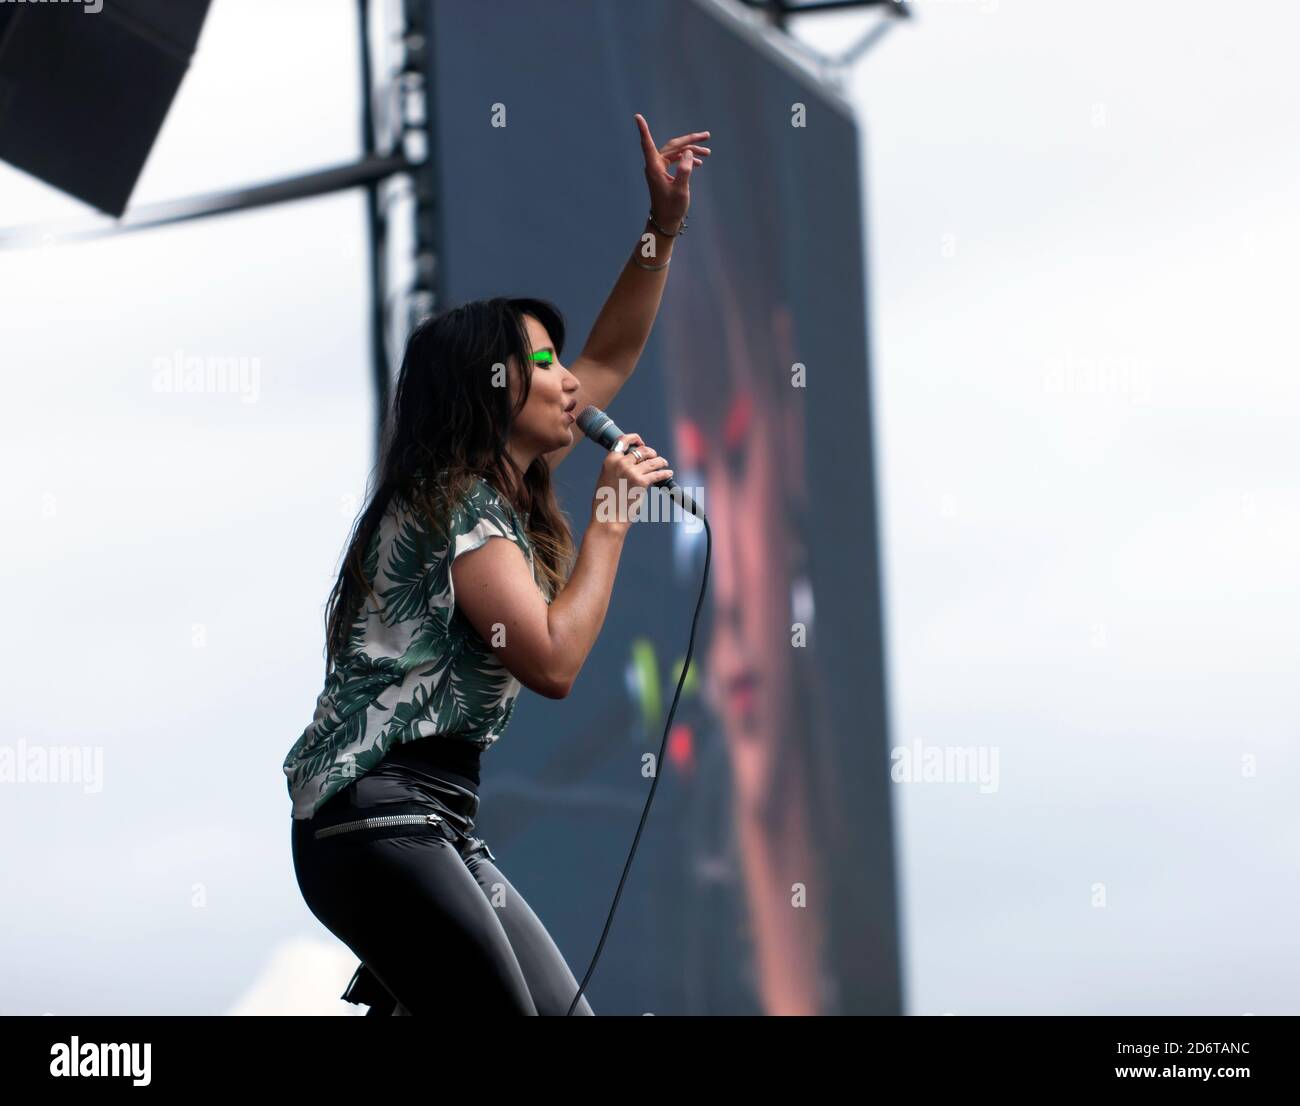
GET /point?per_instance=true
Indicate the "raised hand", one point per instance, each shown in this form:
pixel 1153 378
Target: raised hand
pixel 670 196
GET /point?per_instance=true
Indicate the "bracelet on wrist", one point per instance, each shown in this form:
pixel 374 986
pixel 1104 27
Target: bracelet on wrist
pixel 655 223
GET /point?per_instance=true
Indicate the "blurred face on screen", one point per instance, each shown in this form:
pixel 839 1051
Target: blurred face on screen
pixel 545 423
pixel 748 662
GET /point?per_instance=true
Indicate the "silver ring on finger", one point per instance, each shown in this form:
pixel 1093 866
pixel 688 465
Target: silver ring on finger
pixel 636 453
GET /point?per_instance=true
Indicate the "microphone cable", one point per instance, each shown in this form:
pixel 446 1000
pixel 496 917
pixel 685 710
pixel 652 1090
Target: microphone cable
pixel 659 761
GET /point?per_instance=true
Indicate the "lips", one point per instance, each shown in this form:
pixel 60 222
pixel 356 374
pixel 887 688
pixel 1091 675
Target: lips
pixel 741 693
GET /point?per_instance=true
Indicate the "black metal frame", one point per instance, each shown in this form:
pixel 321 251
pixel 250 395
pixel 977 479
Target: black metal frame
pixel 369 173
pixel 781 10
pixel 375 167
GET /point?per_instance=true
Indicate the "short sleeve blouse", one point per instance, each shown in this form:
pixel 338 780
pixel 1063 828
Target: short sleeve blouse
pixel 414 666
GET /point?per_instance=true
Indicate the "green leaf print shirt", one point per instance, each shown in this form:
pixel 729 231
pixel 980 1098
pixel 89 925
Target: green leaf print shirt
pixel 414 665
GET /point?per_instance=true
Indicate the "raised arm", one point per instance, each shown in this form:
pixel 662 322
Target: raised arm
pixel 623 326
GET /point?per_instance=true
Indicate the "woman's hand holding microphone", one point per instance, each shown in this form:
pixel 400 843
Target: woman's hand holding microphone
pixel 630 467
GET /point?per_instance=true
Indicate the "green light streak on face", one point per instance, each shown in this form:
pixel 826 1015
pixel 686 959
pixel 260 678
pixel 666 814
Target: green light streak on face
pixel 544 357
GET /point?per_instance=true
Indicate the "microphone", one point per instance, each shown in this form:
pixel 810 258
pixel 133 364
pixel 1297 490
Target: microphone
pixel 602 430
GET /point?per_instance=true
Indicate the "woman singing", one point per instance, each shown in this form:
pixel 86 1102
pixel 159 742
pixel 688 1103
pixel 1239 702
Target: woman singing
pixel 432 629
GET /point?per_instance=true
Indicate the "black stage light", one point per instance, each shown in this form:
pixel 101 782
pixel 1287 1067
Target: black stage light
pixel 85 87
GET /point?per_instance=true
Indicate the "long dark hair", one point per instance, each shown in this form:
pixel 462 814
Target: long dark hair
pixel 449 425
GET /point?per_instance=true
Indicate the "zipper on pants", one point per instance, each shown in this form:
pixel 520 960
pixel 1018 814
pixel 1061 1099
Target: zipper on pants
pixel 380 820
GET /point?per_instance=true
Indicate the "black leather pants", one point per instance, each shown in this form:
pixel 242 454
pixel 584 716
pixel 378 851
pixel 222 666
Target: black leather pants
pixel 391 867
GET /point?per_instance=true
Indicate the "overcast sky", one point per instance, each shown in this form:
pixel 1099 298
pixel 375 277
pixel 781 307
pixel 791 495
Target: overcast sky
pixel 1083 232
pixel 1084 238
